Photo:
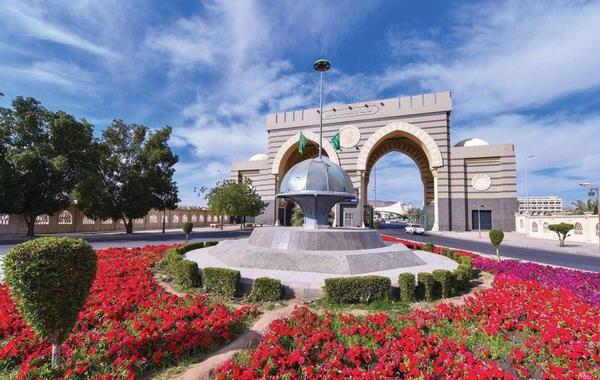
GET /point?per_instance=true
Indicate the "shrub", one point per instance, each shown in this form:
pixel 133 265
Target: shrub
pixel 427 247
pixel 222 281
pixel 190 247
pixel 210 243
pixel 462 280
pixel 187 228
pixel 50 279
pixel 186 274
pixel 496 237
pixel 266 289
pixel 467 268
pixel 169 261
pixel 407 286
pixel 443 280
pixel 361 289
pixel 427 286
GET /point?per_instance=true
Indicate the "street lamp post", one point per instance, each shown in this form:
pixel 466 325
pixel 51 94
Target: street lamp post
pixel 321 65
pixel 594 189
pixel 527 180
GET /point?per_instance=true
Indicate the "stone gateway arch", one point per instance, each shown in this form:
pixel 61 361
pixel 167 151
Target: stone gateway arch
pixel 461 182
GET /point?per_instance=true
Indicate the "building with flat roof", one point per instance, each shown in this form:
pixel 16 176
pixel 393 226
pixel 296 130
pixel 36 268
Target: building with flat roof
pixel 461 182
pixel 548 204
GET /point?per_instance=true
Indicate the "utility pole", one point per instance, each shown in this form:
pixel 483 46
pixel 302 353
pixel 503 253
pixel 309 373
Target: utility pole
pixel 479 206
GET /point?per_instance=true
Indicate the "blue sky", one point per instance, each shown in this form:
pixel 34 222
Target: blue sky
pixel 520 72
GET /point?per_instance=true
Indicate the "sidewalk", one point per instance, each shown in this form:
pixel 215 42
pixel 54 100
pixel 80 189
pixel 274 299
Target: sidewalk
pixel 516 239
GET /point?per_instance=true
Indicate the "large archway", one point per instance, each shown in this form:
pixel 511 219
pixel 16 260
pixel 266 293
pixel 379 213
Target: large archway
pixel 416 144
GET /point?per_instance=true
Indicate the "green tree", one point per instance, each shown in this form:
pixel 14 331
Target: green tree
pixel 134 174
pixel 42 157
pixel 582 207
pixel 562 231
pixel 50 279
pixel 235 198
pixel 496 237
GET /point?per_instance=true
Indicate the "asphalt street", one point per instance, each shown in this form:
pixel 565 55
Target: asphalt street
pixel 568 260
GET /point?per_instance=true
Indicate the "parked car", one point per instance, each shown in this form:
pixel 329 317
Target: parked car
pixel 414 229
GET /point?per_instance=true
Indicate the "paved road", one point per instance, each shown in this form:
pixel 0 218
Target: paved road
pixel 142 238
pixel 568 260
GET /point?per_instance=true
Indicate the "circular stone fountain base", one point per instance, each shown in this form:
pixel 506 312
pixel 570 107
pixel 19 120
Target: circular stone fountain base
pixel 303 272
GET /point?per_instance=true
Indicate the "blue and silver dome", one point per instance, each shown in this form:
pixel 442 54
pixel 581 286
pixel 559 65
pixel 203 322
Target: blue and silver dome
pixel 316 176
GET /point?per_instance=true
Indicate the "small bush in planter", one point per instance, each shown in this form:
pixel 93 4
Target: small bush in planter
pixel 186 274
pixel 426 284
pixel 443 279
pixel 222 281
pixel 360 289
pixel 187 228
pixel 462 278
pixel 407 287
pixel 50 279
pixel 265 289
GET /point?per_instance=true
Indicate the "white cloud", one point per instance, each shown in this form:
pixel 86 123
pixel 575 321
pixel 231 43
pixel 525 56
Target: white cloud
pixel 58 73
pixel 514 55
pixel 31 21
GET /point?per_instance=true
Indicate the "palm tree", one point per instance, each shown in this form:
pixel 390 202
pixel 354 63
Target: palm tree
pixel 297 219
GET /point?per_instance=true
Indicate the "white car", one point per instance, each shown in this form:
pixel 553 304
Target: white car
pixel 414 229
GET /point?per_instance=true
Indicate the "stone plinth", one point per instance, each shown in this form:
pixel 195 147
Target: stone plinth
pixel 328 239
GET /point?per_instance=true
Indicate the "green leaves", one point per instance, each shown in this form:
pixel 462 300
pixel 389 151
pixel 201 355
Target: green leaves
pixel 496 237
pixel 50 279
pixel 238 198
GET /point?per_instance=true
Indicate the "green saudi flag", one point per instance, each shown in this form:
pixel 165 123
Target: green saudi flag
pixel 302 142
pixel 335 141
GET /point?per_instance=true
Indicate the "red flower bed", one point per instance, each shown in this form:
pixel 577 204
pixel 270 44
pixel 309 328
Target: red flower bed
pixel 129 326
pixel 518 329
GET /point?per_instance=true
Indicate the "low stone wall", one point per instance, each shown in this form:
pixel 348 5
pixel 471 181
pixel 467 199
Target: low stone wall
pixel 536 226
pixel 72 220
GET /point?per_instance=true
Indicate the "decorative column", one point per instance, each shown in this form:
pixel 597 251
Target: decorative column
pixel 436 205
pixel 276 203
pixel 361 199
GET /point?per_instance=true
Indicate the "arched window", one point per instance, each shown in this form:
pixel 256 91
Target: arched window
pixel 107 221
pixel 87 220
pixel 184 218
pixel 153 218
pixel 175 218
pixel 204 217
pixel 545 227
pixel 521 223
pixel 194 218
pixel 578 229
pixel 4 218
pixel 534 227
pixel 65 217
pixel 42 219
pixel 139 221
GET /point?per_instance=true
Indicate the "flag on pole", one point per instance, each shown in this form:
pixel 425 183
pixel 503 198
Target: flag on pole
pixel 302 142
pixel 335 141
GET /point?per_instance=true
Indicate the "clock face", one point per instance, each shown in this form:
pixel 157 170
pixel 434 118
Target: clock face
pixel 481 182
pixel 349 136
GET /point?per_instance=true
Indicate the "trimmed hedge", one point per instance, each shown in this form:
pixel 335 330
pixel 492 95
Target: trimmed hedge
pixel 266 289
pixel 190 247
pixel 427 247
pixel 407 287
pixel 361 289
pixel 462 280
pixel 186 274
pixel 467 268
pixel 50 279
pixel 167 264
pixel 222 281
pixel 210 243
pixel 443 279
pixel 426 284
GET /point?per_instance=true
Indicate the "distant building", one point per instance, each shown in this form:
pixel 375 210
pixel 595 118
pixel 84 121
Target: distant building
pixel 549 204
